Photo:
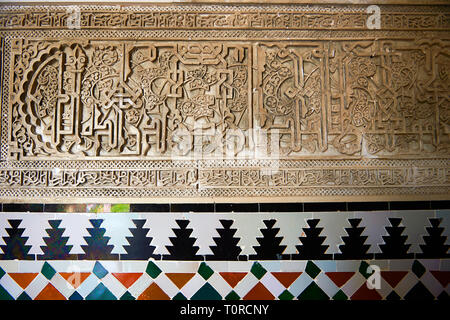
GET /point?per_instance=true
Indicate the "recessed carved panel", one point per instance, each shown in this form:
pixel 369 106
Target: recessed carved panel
pixel 232 104
pixel 83 99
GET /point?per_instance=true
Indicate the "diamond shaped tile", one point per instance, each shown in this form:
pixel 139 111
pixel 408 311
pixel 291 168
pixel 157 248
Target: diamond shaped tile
pixel 272 284
pixel 258 270
pixel 153 270
pixel 99 270
pixel 286 295
pixel 101 292
pixel 418 269
pixel 10 286
pixel 312 270
pixel 205 271
pixel 48 271
pixel 232 296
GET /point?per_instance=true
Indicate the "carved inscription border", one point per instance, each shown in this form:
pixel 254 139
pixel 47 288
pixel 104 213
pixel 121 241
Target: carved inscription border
pixel 128 119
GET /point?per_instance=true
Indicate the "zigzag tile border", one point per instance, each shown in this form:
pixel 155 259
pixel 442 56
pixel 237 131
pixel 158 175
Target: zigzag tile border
pixel 263 280
pixel 225 236
pixel 250 256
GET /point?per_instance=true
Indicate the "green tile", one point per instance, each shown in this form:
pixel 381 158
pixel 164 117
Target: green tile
pixel 286 295
pixel 99 270
pixel 24 297
pixel 340 295
pixel 258 270
pixel 2 273
pixel 418 269
pixel 4 295
pixel 101 292
pixel 312 270
pixel 205 271
pixel 363 269
pixel 48 271
pixel 232 296
pixel 179 296
pixel 122 207
pixel 127 296
pixel 313 292
pixel 153 270
pixel 207 292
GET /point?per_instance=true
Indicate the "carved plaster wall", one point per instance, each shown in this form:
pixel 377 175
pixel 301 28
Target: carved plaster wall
pixel 224 103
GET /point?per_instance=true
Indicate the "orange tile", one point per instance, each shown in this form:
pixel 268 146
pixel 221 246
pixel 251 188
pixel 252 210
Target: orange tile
pixel 127 279
pixel 50 293
pixel 153 292
pixel 339 278
pixel 233 278
pixel 259 292
pixel 393 277
pixel 286 278
pixel 23 279
pixel 365 293
pixel 180 279
pixel 75 278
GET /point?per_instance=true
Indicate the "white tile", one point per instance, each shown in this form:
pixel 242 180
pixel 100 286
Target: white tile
pixel 374 224
pixel 31 266
pixel 290 225
pixel 271 266
pixel 353 284
pixel 406 284
pixel 432 284
pixel 10 266
pixel 326 284
pixel 114 285
pixel 248 230
pixel 430 264
pixel 117 227
pixel 300 284
pixel 167 285
pixel 11 286
pixel 76 225
pixel 62 286
pixel 445 223
pixel 272 284
pixel 326 265
pixel 219 284
pixel 205 227
pixel 35 225
pixel 161 226
pixel 192 286
pixel 132 266
pixel 88 285
pixel 179 266
pixel 239 266
pixel 333 224
pixel 142 283
pixel 347 265
pixel 245 285
pixel 399 264
pixel 36 286
pixel 293 266
pixel 415 223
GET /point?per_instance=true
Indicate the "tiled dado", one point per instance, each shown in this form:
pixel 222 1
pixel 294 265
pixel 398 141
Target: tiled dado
pixel 246 280
pixel 292 255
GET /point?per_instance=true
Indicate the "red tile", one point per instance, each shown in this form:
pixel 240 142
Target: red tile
pixel 153 292
pixel 127 279
pixel 233 278
pixel 259 292
pixel 180 279
pixel 393 277
pixel 50 293
pixel 339 278
pixel 23 279
pixel 286 278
